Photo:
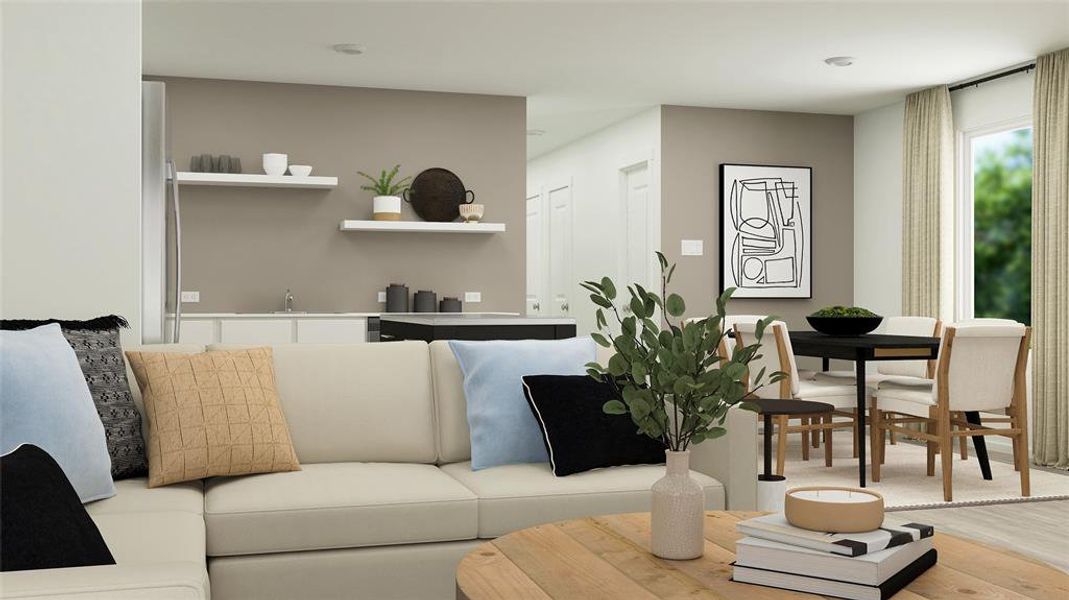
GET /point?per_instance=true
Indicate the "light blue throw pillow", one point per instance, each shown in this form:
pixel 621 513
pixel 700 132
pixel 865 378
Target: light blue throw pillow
pixel 503 430
pixel 45 401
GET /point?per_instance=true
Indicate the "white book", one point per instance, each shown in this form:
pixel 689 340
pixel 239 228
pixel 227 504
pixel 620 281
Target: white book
pixel 831 587
pixel 776 528
pixel 870 569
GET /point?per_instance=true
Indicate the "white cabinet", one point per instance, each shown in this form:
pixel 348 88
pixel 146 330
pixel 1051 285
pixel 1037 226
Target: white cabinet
pixel 331 331
pixel 268 332
pixel 194 331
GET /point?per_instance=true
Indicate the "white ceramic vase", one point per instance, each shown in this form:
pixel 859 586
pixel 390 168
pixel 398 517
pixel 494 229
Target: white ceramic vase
pixel 678 515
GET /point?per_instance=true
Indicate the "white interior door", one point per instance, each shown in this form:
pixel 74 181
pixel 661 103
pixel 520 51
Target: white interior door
pixel 536 250
pixel 561 284
pixel 637 256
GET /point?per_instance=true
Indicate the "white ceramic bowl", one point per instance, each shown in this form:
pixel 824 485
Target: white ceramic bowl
pixel 472 213
pixel 275 164
pixel 300 170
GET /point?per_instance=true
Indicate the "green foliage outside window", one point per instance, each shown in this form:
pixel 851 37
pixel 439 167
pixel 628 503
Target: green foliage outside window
pixel 1002 214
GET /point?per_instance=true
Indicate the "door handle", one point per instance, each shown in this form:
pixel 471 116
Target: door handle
pixel 537 307
pixel 564 307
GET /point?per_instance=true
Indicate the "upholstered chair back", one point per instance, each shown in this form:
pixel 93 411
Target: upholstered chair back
pixel 776 354
pixel 356 402
pixel 980 364
pixel 921 326
pixel 728 343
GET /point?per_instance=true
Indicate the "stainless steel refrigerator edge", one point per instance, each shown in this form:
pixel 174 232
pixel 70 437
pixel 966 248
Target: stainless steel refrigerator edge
pixel 158 174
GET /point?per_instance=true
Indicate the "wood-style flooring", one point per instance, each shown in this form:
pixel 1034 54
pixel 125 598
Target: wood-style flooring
pixel 1036 529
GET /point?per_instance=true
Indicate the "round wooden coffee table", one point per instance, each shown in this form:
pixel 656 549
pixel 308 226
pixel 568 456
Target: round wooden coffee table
pixel 607 557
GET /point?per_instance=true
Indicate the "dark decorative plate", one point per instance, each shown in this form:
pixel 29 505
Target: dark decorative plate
pixel 436 194
pixel 844 325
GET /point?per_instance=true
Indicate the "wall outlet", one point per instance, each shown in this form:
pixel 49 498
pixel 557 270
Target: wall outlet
pixel 691 248
pixel 473 297
pixel 190 296
pixel 382 297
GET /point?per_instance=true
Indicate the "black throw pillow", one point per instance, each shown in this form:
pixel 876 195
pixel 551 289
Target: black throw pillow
pixel 579 436
pixel 43 524
pixel 96 344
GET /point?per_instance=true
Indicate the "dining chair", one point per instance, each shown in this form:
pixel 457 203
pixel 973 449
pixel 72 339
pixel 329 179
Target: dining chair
pixel 981 367
pixel 775 354
pixel 897 369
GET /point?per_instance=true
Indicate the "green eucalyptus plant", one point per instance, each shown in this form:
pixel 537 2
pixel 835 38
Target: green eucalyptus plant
pixel 384 184
pixel 668 372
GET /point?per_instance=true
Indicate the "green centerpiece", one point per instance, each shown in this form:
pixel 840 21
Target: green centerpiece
pixel 844 320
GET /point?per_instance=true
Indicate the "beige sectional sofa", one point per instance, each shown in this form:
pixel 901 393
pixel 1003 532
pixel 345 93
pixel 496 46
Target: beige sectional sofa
pixel 385 505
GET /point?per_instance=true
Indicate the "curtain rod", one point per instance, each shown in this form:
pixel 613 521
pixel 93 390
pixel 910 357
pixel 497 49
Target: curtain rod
pixel 987 78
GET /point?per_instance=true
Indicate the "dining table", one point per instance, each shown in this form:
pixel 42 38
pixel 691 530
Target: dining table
pixel 862 349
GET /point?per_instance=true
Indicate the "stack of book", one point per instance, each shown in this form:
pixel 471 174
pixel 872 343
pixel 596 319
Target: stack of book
pixel 864 566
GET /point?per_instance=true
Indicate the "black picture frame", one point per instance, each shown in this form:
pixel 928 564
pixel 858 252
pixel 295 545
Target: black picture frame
pixel 807 219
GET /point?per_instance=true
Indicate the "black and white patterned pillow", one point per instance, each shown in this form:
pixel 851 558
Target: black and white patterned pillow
pixel 97 346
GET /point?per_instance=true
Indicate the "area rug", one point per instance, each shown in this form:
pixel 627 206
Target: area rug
pixel 904 485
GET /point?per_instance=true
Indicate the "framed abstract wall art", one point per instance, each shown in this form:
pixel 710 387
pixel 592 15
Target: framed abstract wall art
pixel 766 231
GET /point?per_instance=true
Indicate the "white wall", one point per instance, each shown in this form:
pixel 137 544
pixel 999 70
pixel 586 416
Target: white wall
pixel 878 181
pixel 71 120
pixel 593 164
pixel 878 209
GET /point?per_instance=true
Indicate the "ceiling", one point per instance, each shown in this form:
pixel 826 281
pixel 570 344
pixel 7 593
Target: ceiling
pixel 585 65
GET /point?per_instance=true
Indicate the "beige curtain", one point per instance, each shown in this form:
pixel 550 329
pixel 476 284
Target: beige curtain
pixel 927 204
pixel 1050 261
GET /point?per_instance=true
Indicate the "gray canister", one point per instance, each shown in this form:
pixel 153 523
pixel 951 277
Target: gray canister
pixel 397 298
pixel 426 301
pixel 449 305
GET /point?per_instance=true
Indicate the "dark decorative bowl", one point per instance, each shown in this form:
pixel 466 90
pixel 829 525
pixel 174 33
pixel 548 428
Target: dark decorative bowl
pixel 844 326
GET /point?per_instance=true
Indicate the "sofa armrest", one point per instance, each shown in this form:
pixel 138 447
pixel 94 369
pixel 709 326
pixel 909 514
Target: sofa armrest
pixel 732 459
pixel 163 581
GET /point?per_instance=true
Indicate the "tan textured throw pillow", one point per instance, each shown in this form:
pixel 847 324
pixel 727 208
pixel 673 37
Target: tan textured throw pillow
pixel 210 414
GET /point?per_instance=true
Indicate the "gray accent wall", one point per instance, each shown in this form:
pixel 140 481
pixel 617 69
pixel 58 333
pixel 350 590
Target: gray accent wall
pixel 243 247
pixel 694 141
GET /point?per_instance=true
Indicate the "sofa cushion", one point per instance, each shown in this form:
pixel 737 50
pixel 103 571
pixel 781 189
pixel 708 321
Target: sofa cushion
pixel 164 581
pixel 454 437
pixel 46 402
pixel 134 496
pixel 513 497
pixel 212 414
pixel 146 538
pixel 503 429
pixel 336 505
pixel 357 402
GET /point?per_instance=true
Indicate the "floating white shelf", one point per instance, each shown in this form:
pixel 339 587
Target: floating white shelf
pixel 423 226
pixel 251 180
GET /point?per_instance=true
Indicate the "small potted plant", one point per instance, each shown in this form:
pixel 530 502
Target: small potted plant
pixel 671 378
pixel 387 202
pixel 844 320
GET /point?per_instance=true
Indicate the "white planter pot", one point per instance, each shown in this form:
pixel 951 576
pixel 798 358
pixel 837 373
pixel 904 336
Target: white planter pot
pixel 678 516
pixel 387 208
pixel 770 494
pixel 275 164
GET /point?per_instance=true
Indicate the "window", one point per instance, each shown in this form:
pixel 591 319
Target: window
pixel 996 253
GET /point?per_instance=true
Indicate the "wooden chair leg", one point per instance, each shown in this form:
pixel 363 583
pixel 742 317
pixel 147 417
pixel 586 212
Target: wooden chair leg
pixel 893 436
pixel 1020 449
pixel 946 456
pixel 855 429
pixel 827 440
pixel 781 443
pixel 963 442
pixel 931 459
pixel 877 440
pixel 815 434
pixel 805 438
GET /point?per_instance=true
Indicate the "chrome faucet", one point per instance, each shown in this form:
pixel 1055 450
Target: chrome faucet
pixel 287 301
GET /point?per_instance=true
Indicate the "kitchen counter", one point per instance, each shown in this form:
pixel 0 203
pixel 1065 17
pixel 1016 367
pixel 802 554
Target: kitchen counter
pixel 321 315
pixel 458 326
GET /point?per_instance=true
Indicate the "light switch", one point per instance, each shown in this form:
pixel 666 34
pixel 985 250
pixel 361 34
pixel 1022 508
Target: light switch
pixel 473 297
pixel 691 248
pixel 382 297
pixel 190 296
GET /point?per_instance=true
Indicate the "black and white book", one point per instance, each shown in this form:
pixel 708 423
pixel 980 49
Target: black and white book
pixel 873 568
pixel 775 527
pixel 839 589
